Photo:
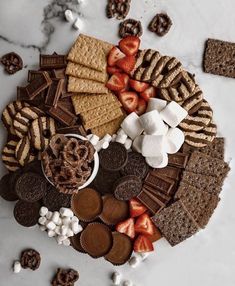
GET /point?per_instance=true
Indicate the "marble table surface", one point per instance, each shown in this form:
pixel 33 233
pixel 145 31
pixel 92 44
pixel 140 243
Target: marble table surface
pixel 30 27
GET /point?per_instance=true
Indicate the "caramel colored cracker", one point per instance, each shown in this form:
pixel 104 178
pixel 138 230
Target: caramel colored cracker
pixel 85 86
pixel 108 128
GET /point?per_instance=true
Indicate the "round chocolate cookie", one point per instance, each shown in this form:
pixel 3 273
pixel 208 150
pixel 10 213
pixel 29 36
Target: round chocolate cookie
pixel 136 165
pixel 114 158
pixel 54 200
pixel 7 190
pixel 127 187
pixel 27 214
pixel 122 249
pixel 31 187
pixel 76 242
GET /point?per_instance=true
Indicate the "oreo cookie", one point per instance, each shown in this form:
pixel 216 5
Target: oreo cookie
pixel 7 190
pixel 127 187
pixel 27 214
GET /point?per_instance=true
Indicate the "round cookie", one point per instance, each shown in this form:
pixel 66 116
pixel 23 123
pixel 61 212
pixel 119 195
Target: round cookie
pixel 136 165
pixel 127 187
pixel 7 190
pixel 31 187
pixel 8 156
pixel 27 214
pixel 41 130
pixel 194 102
pixel 24 153
pixel 114 158
pixel 23 119
pixel 121 250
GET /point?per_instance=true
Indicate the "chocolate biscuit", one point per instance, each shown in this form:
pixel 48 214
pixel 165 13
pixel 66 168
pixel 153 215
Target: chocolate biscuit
pixel 27 214
pixel 127 187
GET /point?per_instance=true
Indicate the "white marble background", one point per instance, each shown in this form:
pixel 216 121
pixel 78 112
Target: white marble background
pixel 30 27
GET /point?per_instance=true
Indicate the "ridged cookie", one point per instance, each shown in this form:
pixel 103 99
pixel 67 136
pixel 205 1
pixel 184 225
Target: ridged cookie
pixel 24 153
pixel 194 102
pixel 8 156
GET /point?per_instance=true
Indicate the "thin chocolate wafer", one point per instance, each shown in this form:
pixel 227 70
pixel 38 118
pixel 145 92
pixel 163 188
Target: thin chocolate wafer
pixel 130 27
pixel 165 185
pixel 63 115
pixel 178 160
pixel 160 24
pixel 151 203
pixel 7 190
pixel 75 129
pixel 54 92
pixel 169 172
pixel 157 193
pixel 127 187
pixel 53 61
pixel 54 200
pixel 27 214
pixel 118 9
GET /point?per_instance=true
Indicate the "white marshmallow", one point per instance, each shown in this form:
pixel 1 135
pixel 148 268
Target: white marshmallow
pixel 162 131
pixel 114 136
pixel 116 278
pixel 107 138
pixel 174 139
pixel 51 233
pixel 55 217
pixel 42 227
pixel 127 283
pixel 50 225
pixel 128 144
pixel 57 230
pixel 68 14
pixel 131 125
pixel 74 218
pixel 78 24
pixel 160 161
pixel 17 267
pixel 102 144
pixel 94 139
pixel 137 143
pixel 66 212
pixel 59 222
pixel 134 261
pixel 49 215
pixel 66 220
pixel 43 211
pixel 42 220
pixel 60 238
pixel 66 242
pixel 69 233
pixel 144 255
pixel 76 228
pixel 156 104
pixel 121 138
pixel 89 136
pixel 63 230
pixel 121 132
pixel 152 145
pixel 152 123
pixel 173 114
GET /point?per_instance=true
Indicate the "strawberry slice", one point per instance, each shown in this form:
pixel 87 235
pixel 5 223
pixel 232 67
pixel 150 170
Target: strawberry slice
pixel 143 244
pixel 116 82
pixel 126 64
pixel 114 55
pixel 144 225
pixel 148 93
pixel 127 227
pixel 113 70
pixel 136 208
pixel 155 236
pixel 126 81
pixel 142 106
pixel 129 45
pixel 138 85
pixel 129 100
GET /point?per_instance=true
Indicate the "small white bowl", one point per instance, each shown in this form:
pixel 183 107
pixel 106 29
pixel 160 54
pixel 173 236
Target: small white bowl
pixel 95 167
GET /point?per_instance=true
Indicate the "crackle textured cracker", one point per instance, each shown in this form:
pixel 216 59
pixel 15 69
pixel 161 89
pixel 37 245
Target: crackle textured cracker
pixel 85 86
pixel 108 128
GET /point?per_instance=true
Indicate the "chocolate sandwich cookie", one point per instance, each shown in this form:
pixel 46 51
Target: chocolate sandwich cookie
pixel 8 156
pixel 27 214
pixel 24 152
pixel 35 167
pixel 194 102
pixel 114 158
pixel 121 250
pixel 31 187
pixel 7 190
pixel 12 62
pixel 127 187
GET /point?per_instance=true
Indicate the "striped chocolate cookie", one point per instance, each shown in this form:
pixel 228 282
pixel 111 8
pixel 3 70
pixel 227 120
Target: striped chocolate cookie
pixel 24 153
pixel 202 138
pixel 199 120
pixel 194 102
pixel 24 118
pixel 8 156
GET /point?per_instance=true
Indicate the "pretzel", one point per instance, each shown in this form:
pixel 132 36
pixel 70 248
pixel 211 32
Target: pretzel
pixel 118 9
pixel 160 24
pixel 130 27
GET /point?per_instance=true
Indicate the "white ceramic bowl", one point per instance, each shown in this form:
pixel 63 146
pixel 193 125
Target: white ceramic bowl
pixel 95 167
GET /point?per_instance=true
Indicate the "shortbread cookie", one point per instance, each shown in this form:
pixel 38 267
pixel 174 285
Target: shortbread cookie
pixel 199 120
pixel 24 118
pixel 8 156
pixel 109 127
pixel 85 86
pixel 201 138
pixel 24 153
pixel 41 130
pixel 194 102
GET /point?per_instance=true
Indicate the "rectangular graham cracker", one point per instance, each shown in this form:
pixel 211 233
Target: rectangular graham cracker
pixel 85 102
pixel 79 71
pixel 85 86
pixel 90 52
pixel 110 127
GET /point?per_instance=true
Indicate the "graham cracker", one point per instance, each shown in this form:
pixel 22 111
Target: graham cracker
pixel 80 71
pixel 85 86
pixel 85 102
pixel 106 46
pixel 108 128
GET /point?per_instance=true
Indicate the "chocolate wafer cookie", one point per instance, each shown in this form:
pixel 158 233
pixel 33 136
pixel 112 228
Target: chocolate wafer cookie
pixel 127 187
pixel 27 214
pixel 8 156
pixel 24 153
pixel 194 102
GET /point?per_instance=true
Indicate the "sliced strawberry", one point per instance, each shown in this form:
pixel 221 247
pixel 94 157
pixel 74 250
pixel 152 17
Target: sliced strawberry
pixel 148 93
pixel 129 45
pixel 114 55
pixel 143 244
pixel 126 64
pixel 127 227
pixel 113 70
pixel 155 236
pixel 136 208
pixel 126 80
pixel 138 85
pixel 129 100
pixel 142 106
pixel 144 225
pixel 116 82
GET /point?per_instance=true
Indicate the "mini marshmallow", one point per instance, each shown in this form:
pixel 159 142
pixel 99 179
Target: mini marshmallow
pixel 160 161
pixel 66 242
pixel 114 136
pixel 60 238
pixel 102 144
pixel 116 278
pixel 137 143
pixel 42 227
pixel 17 267
pixel 152 145
pixel 74 218
pixel 76 228
pixel 63 230
pixel 152 123
pixel 68 14
pixel 49 215
pixel 134 261
pixel 121 138
pixel 144 255
pixel 173 114
pixel 78 24
pixel 55 217
pixel 66 212
pixel 156 104
pixel 57 230
pixel 107 138
pixel 59 222
pixel 66 220
pixel 69 233
pixel 128 144
pixel 50 225
pixel 127 283
pixel 174 139
pixel 42 220
pixel 51 233
pixel 132 126
pixel 94 139
pixel 43 211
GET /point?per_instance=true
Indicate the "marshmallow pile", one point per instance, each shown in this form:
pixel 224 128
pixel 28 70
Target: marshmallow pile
pixel 60 225
pixel 155 133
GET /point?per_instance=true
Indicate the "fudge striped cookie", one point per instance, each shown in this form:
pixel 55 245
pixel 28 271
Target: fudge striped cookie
pixel 194 102
pixel 8 156
pixel 24 153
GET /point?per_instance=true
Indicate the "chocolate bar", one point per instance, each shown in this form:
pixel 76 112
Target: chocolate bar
pixel 22 93
pixel 169 172
pixel 165 185
pixel 63 115
pixel 76 129
pixel 52 61
pixel 54 92
pixel 59 73
pixel 153 205
pixel 34 75
pixel 178 160
pixel 165 199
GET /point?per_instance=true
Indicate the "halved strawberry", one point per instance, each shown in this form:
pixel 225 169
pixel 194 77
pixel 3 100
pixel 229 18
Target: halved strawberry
pixel 138 85
pixel 142 106
pixel 144 225
pixel 148 93
pixel 136 208
pixel 113 70
pixel 129 100
pixel 143 244
pixel 116 82
pixel 127 227
pixel 155 236
pixel 127 64
pixel 129 45
pixel 114 55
